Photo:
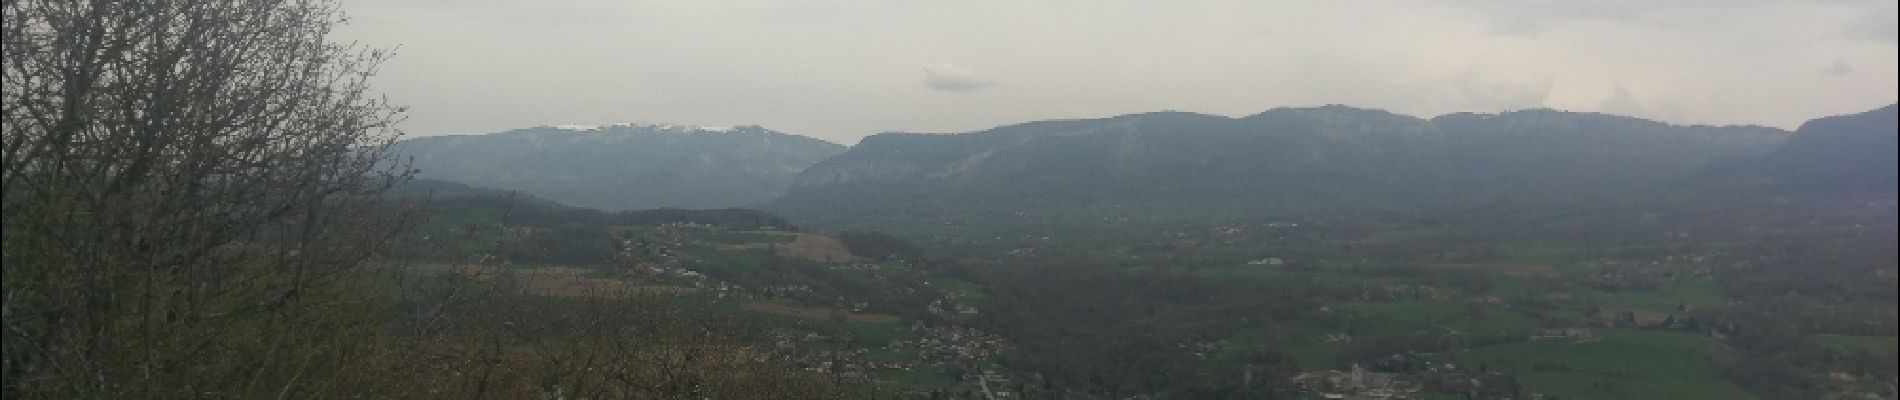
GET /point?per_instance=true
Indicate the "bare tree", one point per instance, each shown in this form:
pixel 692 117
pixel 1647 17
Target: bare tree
pixel 191 211
pixel 185 183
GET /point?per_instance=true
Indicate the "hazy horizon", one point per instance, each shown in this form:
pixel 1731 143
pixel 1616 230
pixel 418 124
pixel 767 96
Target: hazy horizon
pixel 1091 199
pixel 839 71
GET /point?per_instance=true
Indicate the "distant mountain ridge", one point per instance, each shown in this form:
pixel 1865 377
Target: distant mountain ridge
pixel 1315 158
pixel 1319 157
pixel 624 166
pixel 1855 154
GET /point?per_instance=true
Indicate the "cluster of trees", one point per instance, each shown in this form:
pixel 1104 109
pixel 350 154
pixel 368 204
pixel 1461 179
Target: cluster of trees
pixel 898 293
pixel 1788 291
pixel 523 210
pixel 1117 333
pixel 520 229
pixel 461 337
pixel 1788 269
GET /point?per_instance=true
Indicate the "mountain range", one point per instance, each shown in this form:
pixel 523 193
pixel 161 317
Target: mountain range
pixel 1281 161
pixel 1847 154
pixel 624 166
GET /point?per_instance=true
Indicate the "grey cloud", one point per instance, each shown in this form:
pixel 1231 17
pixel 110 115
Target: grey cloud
pixel 951 78
pixel 1840 69
pixel 795 66
pixel 1878 23
pixel 1477 92
pixel 1529 18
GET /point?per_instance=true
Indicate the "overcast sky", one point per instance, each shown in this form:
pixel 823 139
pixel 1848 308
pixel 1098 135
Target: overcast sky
pixel 840 70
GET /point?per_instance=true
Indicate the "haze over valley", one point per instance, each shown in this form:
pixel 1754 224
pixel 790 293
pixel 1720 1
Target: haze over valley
pixel 1125 200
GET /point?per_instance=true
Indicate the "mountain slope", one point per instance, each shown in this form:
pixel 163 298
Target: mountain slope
pixel 1329 157
pixel 1840 154
pixel 628 166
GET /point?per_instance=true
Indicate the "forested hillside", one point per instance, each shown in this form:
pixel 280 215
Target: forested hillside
pixel 626 166
pixel 1284 160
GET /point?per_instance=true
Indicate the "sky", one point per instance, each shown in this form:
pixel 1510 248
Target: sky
pixel 840 70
